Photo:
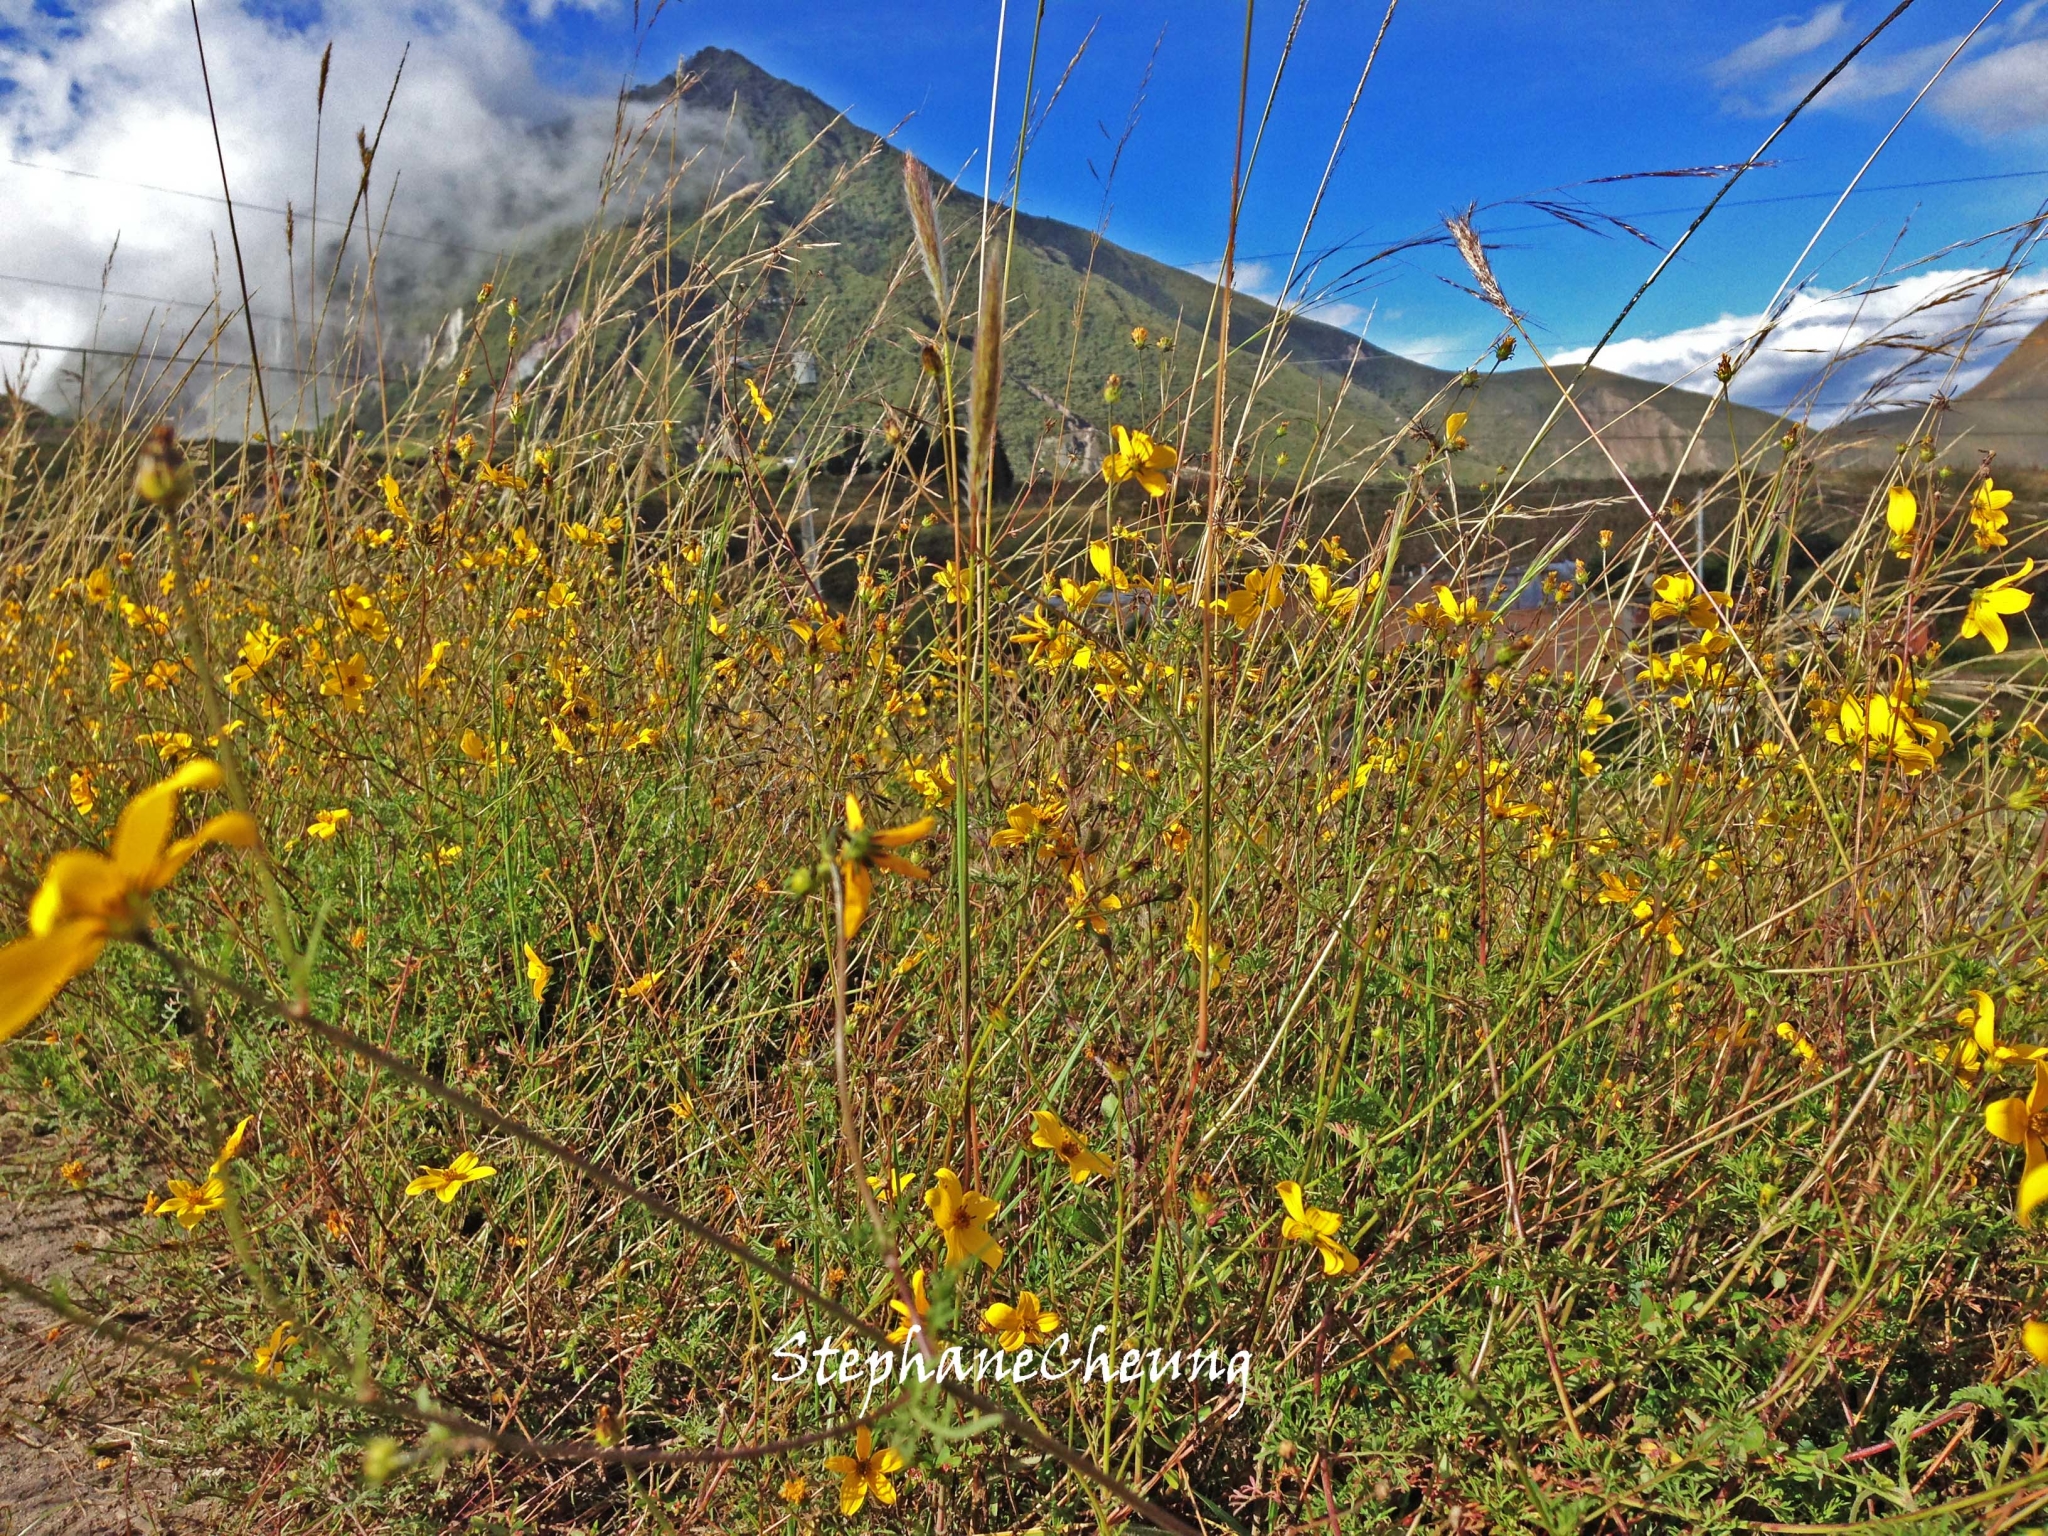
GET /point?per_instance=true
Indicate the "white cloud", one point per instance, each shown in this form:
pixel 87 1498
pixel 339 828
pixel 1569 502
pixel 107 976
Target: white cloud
pixel 1831 353
pixel 1440 350
pixel 1786 40
pixel 1261 280
pixel 1998 86
pixel 2001 93
pixel 479 152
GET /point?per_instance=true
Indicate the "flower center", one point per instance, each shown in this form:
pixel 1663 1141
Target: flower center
pixel 2037 1124
pixel 128 915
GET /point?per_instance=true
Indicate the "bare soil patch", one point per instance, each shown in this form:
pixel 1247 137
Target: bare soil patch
pixel 79 1451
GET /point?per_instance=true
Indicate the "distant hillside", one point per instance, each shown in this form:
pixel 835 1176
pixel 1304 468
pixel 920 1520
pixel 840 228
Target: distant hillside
pixel 2005 412
pixel 1074 303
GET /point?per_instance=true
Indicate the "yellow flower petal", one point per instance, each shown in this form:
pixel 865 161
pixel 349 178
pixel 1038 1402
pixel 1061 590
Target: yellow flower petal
pixel 2034 1335
pixel 2007 1120
pixel 859 889
pixel 34 970
pixel 2034 1182
pixel 145 823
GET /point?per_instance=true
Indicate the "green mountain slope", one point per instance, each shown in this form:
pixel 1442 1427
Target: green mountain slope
pixel 2005 412
pixel 859 303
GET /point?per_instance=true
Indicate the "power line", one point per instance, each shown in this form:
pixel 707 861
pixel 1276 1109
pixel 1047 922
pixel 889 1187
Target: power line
pixel 137 357
pixel 117 293
pixel 1737 202
pixel 207 197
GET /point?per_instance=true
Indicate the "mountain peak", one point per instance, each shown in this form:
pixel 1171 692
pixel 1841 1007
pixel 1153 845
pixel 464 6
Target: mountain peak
pixel 1088 312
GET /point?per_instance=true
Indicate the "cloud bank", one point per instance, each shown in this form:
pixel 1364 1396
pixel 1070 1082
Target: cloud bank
pixel 1997 88
pixel 111 179
pixel 1786 41
pixel 1833 353
pixel 1261 280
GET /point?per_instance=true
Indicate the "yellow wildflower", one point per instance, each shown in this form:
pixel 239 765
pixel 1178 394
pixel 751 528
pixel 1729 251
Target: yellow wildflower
pixel 1615 891
pixel 191 1203
pixel 1090 909
pixel 1902 510
pixel 326 823
pixel 955 581
pixel 1304 1223
pixel 348 681
pixel 1068 1145
pixel 89 898
pixel 1453 610
pixel 1679 597
pixel 1656 921
pixel 2034 1336
pixel 913 1321
pixel 864 851
pixel 1980 1018
pixel 359 609
pixel 866 1471
pixel 1214 957
pixel 478 750
pixel 1021 1324
pixel 1334 602
pixel 1992 605
pixel 1882 725
pixel 889 1186
pixel 432 665
pixel 1261 593
pixel 537 972
pixel 1802 1047
pixel 1498 804
pixel 1027 822
pixel 447 1182
pixel 1137 457
pixel 232 1147
pixel 2024 1122
pixel 1988 515
pixel 961 1217
pixel 281 1339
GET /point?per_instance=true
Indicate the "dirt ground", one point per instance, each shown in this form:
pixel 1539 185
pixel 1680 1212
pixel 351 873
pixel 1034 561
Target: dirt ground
pixel 79 1455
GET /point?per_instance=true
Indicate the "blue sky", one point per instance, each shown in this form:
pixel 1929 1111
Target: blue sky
pixel 1468 103
pixel 111 153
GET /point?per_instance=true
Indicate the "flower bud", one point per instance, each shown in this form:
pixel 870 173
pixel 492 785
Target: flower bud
pixel 162 477
pixel 381 1457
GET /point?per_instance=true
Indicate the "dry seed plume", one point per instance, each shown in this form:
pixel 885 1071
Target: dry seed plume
pixel 1474 252
pixel 924 217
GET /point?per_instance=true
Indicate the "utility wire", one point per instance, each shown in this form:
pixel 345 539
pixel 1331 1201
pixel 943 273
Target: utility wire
pixel 153 361
pixel 117 293
pixel 209 197
pixel 1690 208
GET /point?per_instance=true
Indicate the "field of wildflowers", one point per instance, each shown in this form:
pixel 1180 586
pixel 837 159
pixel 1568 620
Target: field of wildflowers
pixel 540 912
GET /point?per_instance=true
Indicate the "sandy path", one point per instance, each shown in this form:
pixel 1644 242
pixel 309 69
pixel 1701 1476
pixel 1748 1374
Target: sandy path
pixel 78 1455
